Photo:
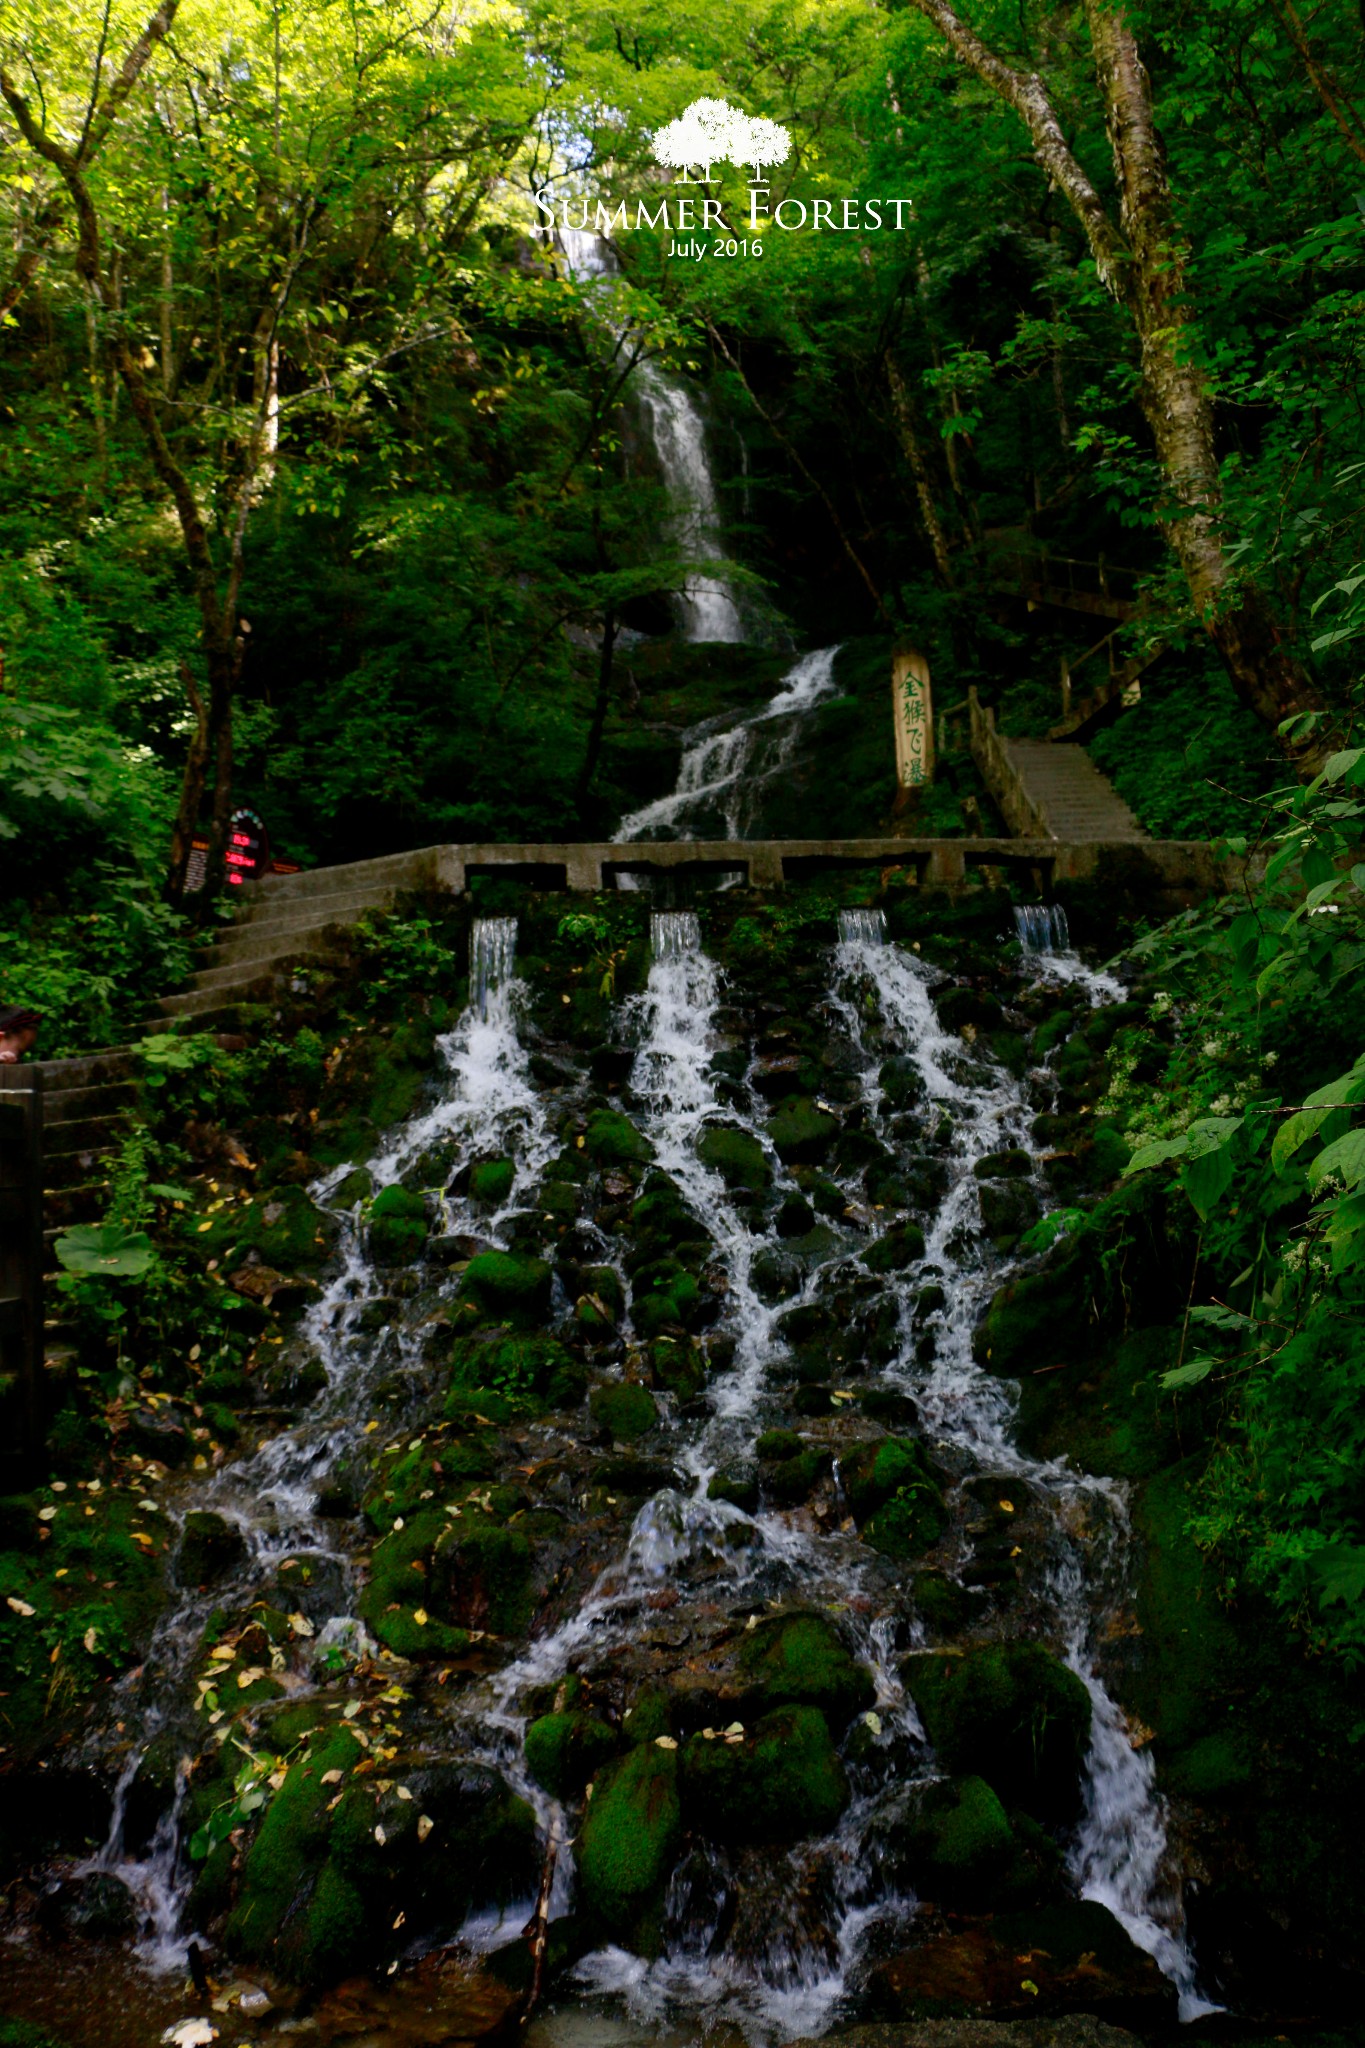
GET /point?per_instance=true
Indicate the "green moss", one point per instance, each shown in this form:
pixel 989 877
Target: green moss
pixel 490 1182
pixel 1009 1711
pixel 896 1250
pixel 282 1226
pixel 960 1844
pixel 797 1659
pixel 209 1546
pixel 738 1158
pixel 906 1525
pixel 941 1604
pixel 564 1750
pixel 397 1225
pixel 611 1139
pixel 801 1134
pixel 627 1410
pixel 789 1481
pixel 27 2034
pixel 629 1842
pixel 531 1372
pixel 400 1588
pixel 510 1288
pixel 273 1919
pixel 481 1576
pixel 873 1473
pixel 650 1715
pixel 780 1782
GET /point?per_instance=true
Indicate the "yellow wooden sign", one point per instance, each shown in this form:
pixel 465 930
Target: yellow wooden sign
pixel 913 715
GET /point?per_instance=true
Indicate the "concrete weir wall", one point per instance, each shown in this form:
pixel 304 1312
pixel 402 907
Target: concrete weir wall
pixel 1181 871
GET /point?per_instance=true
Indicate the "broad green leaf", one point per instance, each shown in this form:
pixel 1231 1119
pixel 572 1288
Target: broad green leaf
pixel 1340 1574
pixel 1157 1153
pixel 1344 1157
pixel 105 1248
pixel 1207 1178
pixel 1190 1373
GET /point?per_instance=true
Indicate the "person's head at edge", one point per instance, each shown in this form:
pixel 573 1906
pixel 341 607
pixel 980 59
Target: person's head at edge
pixel 18 1030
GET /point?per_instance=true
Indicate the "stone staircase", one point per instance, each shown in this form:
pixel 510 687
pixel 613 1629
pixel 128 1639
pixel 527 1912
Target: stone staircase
pixel 1068 793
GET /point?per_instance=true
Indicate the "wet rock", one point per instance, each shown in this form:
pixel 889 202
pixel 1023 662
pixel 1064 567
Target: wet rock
pixel 897 1249
pixel 679 1365
pixel 455 1247
pixel 943 1606
pixel 1071 2030
pixel 564 1750
pixel 1008 1208
pixel 900 1080
pixel 96 1907
pixel 490 1182
pixel 611 1139
pixel 481 1576
pixel 789 1467
pixel 629 1840
pixel 1057 1959
pixel 890 1407
pixel 209 1546
pixel 511 1370
pixel 958 1007
pixel 1012 1165
pixel 399 1589
pixel 797 1659
pixel 664 1296
pixel 775 1274
pixel 397 1226
pixel 737 1157
pixel 801 1133
pixel 1011 1712
pixel 737 1484
pixel 774 1783
pixel 157 1434
pixel 512 1289
pixel 636 1478
pixel 795 1217
pixel 627 1411
pixel 957 1843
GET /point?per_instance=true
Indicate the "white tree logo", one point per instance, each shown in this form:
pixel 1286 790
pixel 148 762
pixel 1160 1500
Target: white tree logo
pixel 712 131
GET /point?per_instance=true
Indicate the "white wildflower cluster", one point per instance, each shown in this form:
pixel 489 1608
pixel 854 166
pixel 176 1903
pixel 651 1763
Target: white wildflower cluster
pixel 712 131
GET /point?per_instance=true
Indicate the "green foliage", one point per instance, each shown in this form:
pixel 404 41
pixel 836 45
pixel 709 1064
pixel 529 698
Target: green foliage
pixel 1265 1145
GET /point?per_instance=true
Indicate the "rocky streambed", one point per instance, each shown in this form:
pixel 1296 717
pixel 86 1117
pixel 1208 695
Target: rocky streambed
pixel 626 1533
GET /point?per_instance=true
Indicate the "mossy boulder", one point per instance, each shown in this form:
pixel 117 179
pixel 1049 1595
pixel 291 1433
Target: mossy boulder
pixel 210 1545
pixel 627 1410
pixel 510 1288
pixel 565 1750
pixel 528 1372
pixel 611 1139
pixel 664 1296
pixel 490 1182
pixel 284 1915
pixel 1011 1712
pixel 900 1080
pixel 481 1576
pixel 737 1157
pixel 894 1495
pixel 398 1226
pixel 797 1659
pixel 629 1842
pixel 789 1468
pixel 775 1783
pixel 895 1250
pixel 942 1605
pixel 394 1605
pixel 1014 1164
pixel 958 1007
pixel 1008 1207
pixel 801 1134
pixel 737 1485
pixel 959 1846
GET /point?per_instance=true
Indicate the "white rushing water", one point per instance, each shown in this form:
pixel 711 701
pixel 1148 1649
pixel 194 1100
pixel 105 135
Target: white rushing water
pixel 727 764
pixel 813 1910
pixel 677 432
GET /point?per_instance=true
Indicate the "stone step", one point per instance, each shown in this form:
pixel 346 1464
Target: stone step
pixel 82 1201
pixel 300 914
pixel 1065 786
pixel 415 870
pixel 210 1010
pixel 65 1171
pixel 99 1098
pixel 81 1134
pixel 112 1063
pixel 259 949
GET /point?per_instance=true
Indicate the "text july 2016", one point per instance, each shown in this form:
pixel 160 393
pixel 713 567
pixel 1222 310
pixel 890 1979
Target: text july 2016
pixel 694 251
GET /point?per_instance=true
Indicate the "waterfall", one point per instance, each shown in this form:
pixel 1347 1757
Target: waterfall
pixel 1119 1855
pixel 673 933
pixel 1042 927
pixel 492 952
pixel 725 768
pixel 862 927
pixel 1045 942
pixel 678 434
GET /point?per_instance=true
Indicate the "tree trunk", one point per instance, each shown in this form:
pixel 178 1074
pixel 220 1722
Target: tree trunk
pixel 919 470
pixel 1141 262
pixel 599 709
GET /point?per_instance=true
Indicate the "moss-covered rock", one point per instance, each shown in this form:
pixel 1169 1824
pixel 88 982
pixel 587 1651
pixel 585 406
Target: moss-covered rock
pixel 959 1846
pixel 797 1659
pixel 481 1576
pixel 611 1139
pixel 737 1484
pixel 900 1080
pixel 629 1841
pixel 395 1602
pixel 210 1545
pixel 1011 1712
pixel 284 1916
pixel 564 1750
pixel 490 1182
pixel 895 1250
pixel 627 1410
pixel 529 1372
pixel 774 1783
pixel 398 1226
pixel 942 1605
pixel 801 1134
pixel 510 1288
pixel 1007 1207
pixel 737 1157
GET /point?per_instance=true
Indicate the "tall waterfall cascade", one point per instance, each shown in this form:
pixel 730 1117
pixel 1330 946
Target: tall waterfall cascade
pixel 677 432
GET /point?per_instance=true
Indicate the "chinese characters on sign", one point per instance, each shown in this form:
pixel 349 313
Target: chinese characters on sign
pixel 913 713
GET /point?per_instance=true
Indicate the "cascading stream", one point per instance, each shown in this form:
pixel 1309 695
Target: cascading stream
pixel 724 772
pixel 678 433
